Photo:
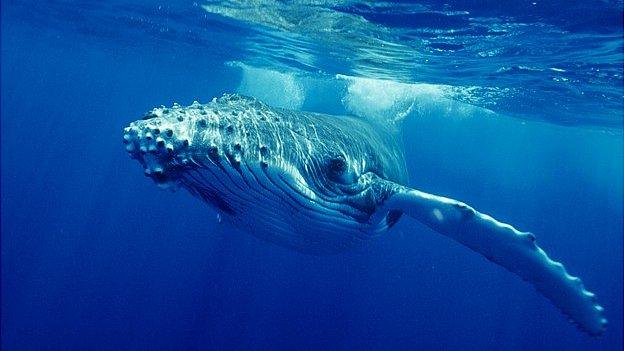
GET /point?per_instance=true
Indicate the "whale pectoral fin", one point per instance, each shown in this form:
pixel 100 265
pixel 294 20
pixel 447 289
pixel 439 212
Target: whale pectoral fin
pixel 506 246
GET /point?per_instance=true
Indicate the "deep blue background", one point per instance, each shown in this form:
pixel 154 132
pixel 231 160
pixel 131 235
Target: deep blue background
pixel 95 257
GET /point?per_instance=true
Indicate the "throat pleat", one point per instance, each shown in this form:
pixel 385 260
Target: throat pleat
pixel 275 206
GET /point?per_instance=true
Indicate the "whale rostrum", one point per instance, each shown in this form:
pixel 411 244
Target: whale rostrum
pixel 321 184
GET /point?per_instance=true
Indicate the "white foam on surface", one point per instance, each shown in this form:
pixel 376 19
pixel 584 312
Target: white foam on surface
pixel 385 101
pixel 278 89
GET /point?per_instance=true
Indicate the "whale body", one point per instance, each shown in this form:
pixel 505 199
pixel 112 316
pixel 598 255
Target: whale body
pixel 321 184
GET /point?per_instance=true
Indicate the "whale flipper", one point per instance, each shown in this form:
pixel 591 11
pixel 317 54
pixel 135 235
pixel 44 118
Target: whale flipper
pixel 506 246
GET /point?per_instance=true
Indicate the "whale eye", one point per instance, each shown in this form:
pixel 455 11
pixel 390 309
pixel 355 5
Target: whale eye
pixel 337 168
pixel 337 164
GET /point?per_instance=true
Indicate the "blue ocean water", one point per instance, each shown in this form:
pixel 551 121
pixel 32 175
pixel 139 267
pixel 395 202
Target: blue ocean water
pixel 515 108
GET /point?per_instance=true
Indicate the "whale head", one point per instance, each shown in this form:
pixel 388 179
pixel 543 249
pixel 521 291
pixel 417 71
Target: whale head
pixel 276 173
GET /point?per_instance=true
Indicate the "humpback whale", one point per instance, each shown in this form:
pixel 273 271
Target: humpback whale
pixel 321 184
